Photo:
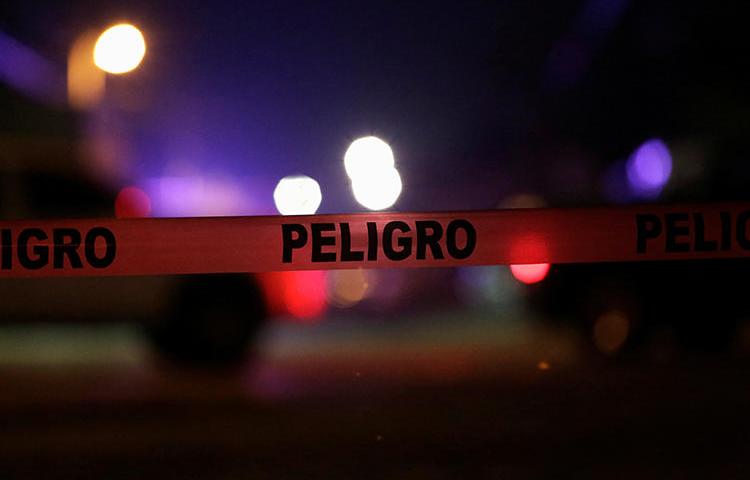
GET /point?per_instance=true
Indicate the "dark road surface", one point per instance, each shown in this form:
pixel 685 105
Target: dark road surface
pixel 512 403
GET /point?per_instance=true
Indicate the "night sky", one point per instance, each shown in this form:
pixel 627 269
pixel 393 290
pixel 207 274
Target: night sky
pixel 479 100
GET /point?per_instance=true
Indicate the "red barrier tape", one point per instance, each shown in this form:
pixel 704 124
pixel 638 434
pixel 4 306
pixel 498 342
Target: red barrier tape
pixel 255 244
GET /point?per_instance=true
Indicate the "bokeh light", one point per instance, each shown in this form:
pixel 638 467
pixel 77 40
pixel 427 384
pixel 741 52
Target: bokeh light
pixel 370 165
pixel 195 196
pixel 530 272
pixel 611 330
pixel 367 155
pixel 119 49
pixel 649 168
pixel 528 246
pixel 132 202
pixel 305 294
pixel 346 288
pixel 85 81
pixel 379 190
pixel 299 294
pixel 297 195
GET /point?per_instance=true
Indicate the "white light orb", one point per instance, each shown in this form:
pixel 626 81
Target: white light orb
pixel 378 191
pixel 367 155
pixel 119 49
pixel 297 195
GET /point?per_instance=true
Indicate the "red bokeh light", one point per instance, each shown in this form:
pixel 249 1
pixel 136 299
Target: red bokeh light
pixel 132 202
pixel 530 273
pixel 301 294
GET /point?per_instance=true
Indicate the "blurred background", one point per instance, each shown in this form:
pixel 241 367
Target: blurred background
pixel 163 109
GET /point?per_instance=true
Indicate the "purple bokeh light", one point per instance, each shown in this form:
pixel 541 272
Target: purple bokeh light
pixel 185 196
pixel 649 168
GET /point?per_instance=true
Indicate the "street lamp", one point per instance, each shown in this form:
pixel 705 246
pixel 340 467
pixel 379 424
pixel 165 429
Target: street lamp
pixel 119 49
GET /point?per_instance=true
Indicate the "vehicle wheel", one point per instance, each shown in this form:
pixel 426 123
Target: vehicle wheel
pixel 213 321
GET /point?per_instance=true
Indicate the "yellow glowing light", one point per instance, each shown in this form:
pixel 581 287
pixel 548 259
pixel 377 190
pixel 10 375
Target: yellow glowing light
pixel 119 49
pixel 85 81
pixel 297 195
pixel 349 287
pixel 611 330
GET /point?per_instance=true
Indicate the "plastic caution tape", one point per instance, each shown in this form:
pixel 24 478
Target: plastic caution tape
pixel 255 244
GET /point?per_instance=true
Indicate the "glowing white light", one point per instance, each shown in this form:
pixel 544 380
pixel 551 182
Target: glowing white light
pixel 119 49
pixel 378 191
pixel 297 195
pixel 367 155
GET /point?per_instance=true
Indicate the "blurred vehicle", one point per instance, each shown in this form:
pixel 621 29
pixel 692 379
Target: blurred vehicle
pixel 619 307
pixel 200 319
